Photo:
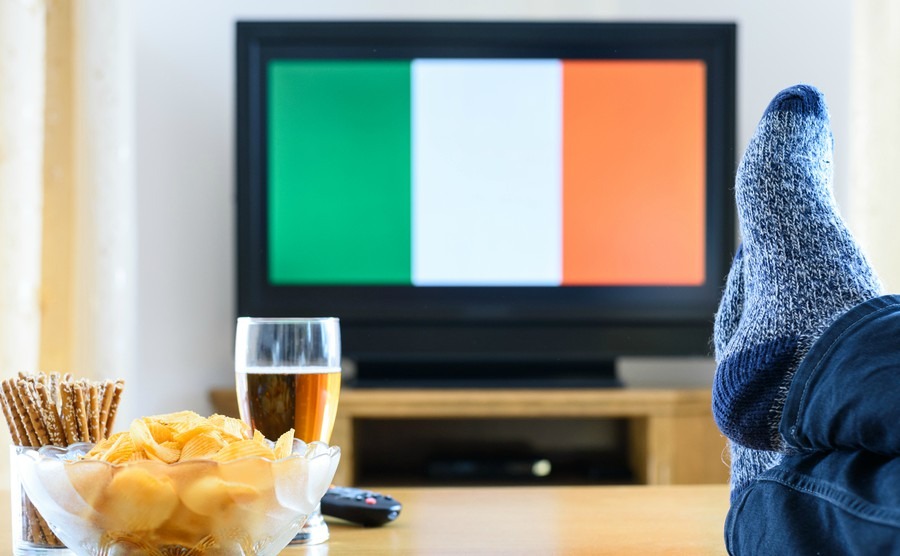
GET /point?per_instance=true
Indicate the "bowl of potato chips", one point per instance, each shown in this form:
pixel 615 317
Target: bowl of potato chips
pixel 179 484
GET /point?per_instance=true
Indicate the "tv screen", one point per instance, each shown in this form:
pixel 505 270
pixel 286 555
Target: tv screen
pixel 487 203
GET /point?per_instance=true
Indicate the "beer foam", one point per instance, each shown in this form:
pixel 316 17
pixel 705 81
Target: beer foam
pixel 303 370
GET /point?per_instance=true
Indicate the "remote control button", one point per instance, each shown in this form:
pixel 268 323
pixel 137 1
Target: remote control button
pixel 371 501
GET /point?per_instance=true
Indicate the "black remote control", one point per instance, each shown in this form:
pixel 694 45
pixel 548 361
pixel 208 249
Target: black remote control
pixel 367 508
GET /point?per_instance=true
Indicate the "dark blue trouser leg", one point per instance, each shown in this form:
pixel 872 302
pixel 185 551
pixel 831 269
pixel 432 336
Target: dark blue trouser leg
pixel 840 493
pixel 846 391
pixel 840 503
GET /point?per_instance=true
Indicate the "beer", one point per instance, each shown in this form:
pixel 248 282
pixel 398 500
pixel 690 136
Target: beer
pixel 275 399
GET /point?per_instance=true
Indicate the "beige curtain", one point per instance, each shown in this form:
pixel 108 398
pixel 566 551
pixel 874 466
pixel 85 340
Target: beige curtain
pixel 874 192
pixel 67 214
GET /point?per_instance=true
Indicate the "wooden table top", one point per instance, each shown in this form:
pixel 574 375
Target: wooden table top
pixel 567 521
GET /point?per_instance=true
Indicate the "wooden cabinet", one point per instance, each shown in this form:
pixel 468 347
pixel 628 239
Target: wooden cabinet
pixel 670 436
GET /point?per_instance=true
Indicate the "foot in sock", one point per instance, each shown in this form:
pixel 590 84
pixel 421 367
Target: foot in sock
pixel 731 305
pixel 799 268
pixel 746 463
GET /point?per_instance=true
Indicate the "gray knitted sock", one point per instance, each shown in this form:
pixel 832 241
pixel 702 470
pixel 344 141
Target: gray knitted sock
pixel 746 463
pixel 731 305
pixel 799 269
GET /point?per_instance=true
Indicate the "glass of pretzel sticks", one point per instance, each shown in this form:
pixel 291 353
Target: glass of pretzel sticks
pixel 51 409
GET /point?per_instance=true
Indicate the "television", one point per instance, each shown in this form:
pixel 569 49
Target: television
pixel 487 203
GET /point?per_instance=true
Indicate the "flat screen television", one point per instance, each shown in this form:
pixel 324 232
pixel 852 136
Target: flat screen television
pixel 487 203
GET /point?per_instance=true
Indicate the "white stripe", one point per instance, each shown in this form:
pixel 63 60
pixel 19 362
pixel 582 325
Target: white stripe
pixel 487 178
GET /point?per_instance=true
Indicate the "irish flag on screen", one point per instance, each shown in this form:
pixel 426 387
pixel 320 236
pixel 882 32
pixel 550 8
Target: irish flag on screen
pixel 436 172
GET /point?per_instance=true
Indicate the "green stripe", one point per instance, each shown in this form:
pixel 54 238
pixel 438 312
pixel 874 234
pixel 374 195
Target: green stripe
pixel 339 172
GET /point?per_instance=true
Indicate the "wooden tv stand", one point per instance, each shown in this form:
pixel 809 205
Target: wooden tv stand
pixel 671 435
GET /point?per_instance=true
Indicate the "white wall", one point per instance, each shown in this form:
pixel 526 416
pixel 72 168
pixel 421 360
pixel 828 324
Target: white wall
pixel 185 137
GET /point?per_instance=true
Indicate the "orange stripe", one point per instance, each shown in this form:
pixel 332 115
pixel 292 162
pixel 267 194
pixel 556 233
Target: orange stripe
pixel 634 172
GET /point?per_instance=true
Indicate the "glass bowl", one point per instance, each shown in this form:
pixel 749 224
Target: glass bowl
pixel 247 506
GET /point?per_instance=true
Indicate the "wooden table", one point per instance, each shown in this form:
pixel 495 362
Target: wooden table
pixel 568 521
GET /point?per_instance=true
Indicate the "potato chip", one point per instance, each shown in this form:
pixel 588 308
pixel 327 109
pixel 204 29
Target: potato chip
pixel 211 495
pixel 201 428
pixel 231 426
pixel 203 445
pixel 181 421
pixel 137 500
pixel 159 431
pixel 187 528
pixel 243 449
pixel 89 479
pixel 172 445
pixel 284 445
pixel 103 446
pixel 143 440
pixel 138 456
pixel 185 436
pixel 121 450
pixel 185 417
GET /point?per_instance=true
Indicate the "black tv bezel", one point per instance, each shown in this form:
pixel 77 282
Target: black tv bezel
pixel 441 324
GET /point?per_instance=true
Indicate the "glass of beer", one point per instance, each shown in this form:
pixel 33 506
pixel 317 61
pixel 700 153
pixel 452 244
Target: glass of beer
pixel 288 375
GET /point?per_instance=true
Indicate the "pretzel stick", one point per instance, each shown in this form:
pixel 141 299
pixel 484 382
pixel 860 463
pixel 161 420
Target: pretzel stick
pixel 40 531
pixel 16 430
pixel 33 530
pixel 67 402
pixel 94 411
pixel 108 388
pixel 10 401
pixel 14 413
pixel 43 528
pixel 44 379
pixel 114 405
pixel 43 389
pixel 84 432
pixel 10 421
pixel 21 414
pixel 54 388
pixel 32 405
pixel 39 396
pixel 52 539
pixel 50 416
